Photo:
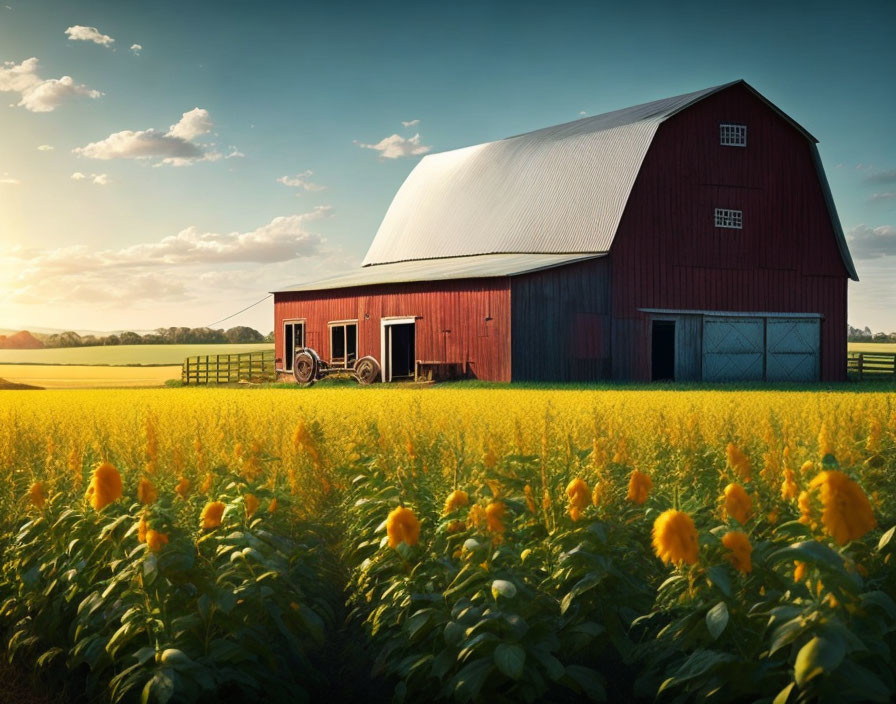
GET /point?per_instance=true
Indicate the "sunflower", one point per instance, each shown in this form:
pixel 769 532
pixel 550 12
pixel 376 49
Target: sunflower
pixel 105 486
pixel 737 503
pixel 211 515
pixel 579 497
pixel 142 528
pixel 37 494
pixel 183 487
pixel 740 549
pixel 675 537
pixel 494 516
pixel 789 488
pixel 456 499
pixel 155 540
pixel 639 486
pixel 147 492
pixel 847 513
pixel 738 461
pixel 251 503
pixel 402 526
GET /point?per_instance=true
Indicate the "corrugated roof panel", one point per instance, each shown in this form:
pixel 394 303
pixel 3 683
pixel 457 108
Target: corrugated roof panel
pixel 484 266
pixel 560 189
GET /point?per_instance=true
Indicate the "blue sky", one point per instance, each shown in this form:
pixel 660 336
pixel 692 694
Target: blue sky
pixel 159 202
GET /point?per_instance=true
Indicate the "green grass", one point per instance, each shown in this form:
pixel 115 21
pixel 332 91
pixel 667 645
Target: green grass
pixel 124 355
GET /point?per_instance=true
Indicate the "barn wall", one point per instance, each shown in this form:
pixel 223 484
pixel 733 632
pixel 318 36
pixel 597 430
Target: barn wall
pixel 668 253
pixel 561 324
pixel 464 321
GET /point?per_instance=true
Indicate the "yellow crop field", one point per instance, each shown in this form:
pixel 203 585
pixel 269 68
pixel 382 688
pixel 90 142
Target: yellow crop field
pixel 452 544
pixel 86 376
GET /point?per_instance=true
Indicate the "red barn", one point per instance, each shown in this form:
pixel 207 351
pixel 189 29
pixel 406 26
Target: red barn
pixel 692 238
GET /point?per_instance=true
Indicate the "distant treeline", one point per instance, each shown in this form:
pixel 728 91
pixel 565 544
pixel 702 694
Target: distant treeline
pixel 858 335
pixel 162 336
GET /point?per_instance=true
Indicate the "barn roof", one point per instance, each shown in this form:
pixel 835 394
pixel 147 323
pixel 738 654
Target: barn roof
pixel 557 190
pixel 475 267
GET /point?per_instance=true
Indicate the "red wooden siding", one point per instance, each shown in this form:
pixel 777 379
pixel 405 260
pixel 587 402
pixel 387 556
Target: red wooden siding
pixel 669 254
pixel 464 321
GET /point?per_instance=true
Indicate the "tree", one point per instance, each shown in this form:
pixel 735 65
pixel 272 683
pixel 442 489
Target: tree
pixel 241 334
pixel 130 338
pixel 70 339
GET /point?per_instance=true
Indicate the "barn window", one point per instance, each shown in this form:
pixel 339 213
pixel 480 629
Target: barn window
pixel 732 135
pixel 293 339
pixel 733 219
pixel 343 343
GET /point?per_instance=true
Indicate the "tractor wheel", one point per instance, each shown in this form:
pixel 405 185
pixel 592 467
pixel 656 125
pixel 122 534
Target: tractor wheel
pixel 367 369
pixel 306 366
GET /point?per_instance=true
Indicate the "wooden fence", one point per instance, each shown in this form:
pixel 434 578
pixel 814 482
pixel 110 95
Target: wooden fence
pixel 871 365
pixel 229 368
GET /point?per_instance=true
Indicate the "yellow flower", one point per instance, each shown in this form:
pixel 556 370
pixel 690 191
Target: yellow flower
pixel 799 571
pixel 476 517
pixel 825 444
pixel 740 549
pixel 738 461
pixel 789 488
pixel 146 492
pixel 457 499
pixel 847 513
pixel 457 527
pixel 252 504
pixel 490 459
pixel 579 497
pixel 805 508
pixel 37 494
pixel 808 467
pixel 494 516
pixel 183 487
pixel 206 483
pixel 211 515
pixel 272 506
pixel 104 487
pixel 155 540
pixel 639 486
pixel 598 494
pixel 737 503
pixel 773 516
pixel 402 526
pixel 675 537
pixel 142 528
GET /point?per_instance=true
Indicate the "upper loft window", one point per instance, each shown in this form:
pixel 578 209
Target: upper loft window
pixel 732 135
pixel 733 219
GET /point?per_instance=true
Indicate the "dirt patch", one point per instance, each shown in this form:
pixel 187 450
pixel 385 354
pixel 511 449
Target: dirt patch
pixel 9 385
pixel 16 687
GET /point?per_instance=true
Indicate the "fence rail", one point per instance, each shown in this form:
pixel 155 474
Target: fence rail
pixel 871 365
pixel 229 368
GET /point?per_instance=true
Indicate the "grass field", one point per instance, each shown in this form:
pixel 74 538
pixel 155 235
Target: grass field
pixel 450 544
pixel 86 377
pixel 882 347
pixel 128 355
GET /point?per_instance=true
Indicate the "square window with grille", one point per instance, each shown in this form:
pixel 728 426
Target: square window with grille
pixel 733 219
pixel 733 135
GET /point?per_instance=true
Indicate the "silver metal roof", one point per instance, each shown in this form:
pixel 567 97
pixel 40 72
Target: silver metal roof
pixel 475 267
pixel 560 189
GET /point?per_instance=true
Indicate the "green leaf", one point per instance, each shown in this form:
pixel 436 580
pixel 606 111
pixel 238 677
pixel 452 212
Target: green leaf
pixel 510 659
pixel 589 681
pixel 160 688
pixel 784 694
pixel 470 679
pixel 785 634
pixel 718 575
pixel 886 538
pixel 882 600
pixel 810 551
pixel 820 655
pixel 589 581
pixel 454 633
pixel 717 619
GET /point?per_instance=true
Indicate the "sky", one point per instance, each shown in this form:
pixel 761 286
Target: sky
pixel 170 163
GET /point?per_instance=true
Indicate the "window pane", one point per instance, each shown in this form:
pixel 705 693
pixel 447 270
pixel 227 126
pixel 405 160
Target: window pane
pixel 351 343
pixel 289 346
pixel 337 341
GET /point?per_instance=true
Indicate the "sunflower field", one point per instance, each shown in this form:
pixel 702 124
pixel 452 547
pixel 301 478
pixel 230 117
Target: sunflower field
pixel 449 544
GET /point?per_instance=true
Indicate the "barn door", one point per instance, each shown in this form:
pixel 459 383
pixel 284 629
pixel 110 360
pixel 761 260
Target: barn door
pixel 733 349
pixel 792 349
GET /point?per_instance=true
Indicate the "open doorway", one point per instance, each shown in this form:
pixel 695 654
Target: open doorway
pixel 663 350
pixel 399 350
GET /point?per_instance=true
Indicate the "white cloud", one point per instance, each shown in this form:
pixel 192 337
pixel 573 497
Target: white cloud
pixel 192 265
pixel 98 179
pixel 192 124
pixel 88 34
pixel 45 148
pixel 38 94
pixel 410 123
pixel 881 176
pixel 136 49
pixel 174 147
pixel 301 181
pixel 872 242
pixel 582 112
pixel 9 180
pixel 101 179
pixel 78 176
pixel 397 146
pixel 882 196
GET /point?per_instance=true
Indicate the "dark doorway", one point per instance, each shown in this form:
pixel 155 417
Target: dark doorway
pixel 663 350
pixel 400 351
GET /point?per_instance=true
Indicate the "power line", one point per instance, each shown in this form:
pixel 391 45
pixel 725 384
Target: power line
pixel 240 311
